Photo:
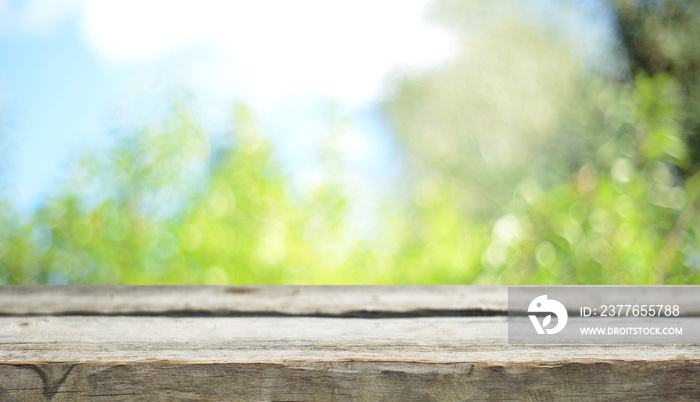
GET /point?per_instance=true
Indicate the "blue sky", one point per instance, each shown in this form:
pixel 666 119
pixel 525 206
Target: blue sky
pixel 72 71
pixel 55 92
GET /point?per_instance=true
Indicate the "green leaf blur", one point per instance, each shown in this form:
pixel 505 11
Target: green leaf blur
pixel 525 164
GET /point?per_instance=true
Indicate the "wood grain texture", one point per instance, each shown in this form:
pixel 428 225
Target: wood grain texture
pixel 253 300
pixel 110 354
pixel 354 380
pixel 274 339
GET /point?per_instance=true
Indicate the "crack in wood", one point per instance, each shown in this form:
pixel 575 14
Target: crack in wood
pixel 378 314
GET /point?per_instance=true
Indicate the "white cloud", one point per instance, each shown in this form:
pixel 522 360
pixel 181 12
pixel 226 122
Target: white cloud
pixel 132 30
pixel 276 48
pixel 265 50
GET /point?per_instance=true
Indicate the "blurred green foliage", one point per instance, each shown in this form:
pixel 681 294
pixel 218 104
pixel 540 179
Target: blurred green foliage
pixel 526 164
pixel 577 172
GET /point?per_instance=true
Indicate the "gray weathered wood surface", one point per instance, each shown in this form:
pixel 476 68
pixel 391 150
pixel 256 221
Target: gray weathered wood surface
pixel 222 300
pixel 307 343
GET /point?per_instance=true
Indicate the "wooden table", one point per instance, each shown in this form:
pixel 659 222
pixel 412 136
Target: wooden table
pixel 307 343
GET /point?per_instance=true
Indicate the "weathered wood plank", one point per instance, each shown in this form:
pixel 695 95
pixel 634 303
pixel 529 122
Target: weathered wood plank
pixel 308 358
pixel 274 340
pixel 355 301
pixel 114 343
pixel 292 300
pixel 353 380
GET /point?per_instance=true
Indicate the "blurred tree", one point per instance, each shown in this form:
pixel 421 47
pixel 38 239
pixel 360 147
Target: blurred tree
pixel 490 116
pixel 108 224
pixel 157 208
pixel 572 167
pixel 664 37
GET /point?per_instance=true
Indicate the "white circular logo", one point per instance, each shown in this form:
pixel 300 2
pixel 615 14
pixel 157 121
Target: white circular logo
pixel 541 305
